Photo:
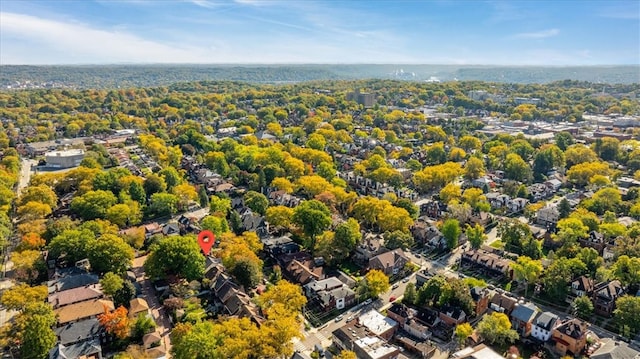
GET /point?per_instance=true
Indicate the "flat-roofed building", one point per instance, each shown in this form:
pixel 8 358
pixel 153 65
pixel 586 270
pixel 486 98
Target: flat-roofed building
pixel 64 159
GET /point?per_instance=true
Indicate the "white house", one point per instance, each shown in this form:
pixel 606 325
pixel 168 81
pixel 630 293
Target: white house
pixel 542 326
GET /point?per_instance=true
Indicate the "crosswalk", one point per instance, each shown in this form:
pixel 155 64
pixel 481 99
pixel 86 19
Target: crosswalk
pixel 322 338
pixel 298 345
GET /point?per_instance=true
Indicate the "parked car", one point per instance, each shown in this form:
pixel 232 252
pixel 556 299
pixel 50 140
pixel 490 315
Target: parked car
pixel 406 279
pixel 392 299
pixel 395 286
pixel 339 318
pixel 367 302
pixel 350 318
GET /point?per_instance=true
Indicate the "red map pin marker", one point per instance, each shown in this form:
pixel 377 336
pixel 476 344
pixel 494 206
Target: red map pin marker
pixel 206 239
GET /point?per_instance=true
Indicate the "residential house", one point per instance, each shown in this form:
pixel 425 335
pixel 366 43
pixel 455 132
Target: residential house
pixel 371 347
pixel 484 182
pixel 400 313
pixel 570 336
pixel 304 271
pixel 427 234
pixel 330 293
pixel 452 316
pixel 391 263
pixel 433 209
pixel 254 223
pixel 481 297
pixel 582 286
pixel 490 262
pixel 70 281
pixel 137 307
pixel 497 200
pixel 80 331
pixel 82 310
pixel 422 349
pixel 75 295
pixel 378 324
pixel 517 205
pixel 613 349
pixel 543 325
pixel 370 246
pixel 553 184
pixel 595 240
pixel 503 303
pixel 605 295
pixel 151 229
pixel 422 277
pixel 548 216
pixel 481 218
pixel 90 349
pixel 171 229
pixel 522 318
pixel 230 299
pixel 478 352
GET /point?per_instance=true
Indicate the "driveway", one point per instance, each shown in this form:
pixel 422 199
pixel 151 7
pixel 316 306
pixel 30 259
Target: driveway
pixel 163 323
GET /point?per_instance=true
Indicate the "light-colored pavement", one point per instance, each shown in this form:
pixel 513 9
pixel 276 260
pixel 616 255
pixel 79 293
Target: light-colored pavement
pixel 163 323
pixel 26 171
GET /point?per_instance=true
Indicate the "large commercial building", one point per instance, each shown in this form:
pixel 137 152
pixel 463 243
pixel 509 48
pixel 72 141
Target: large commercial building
pixel 364 98
pixel 64 159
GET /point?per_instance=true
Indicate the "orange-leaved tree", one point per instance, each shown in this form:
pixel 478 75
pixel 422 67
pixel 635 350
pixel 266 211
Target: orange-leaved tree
pixel 115 322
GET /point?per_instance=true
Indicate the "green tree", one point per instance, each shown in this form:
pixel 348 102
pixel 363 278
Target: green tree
pixel 475 235
pixel 137 192
pixel 111 283
pixel 627 270
pixel 247 272
pixel 154 184
pixel 144 324
pixel 163 204
pixel 257 202
pixel 171 177
pixel 583 307
pixel 347 235
pixel 410 294
pixel 398 239
pixel 109 253
pixel 217 225
pixel 175 255
pixel 516 168
pixel 93 204
pixel 564 208
pixel 37 336
pixel 219 205
pixel 313 217
pixel 559 274
pixel 527 270
pixel 474 168
pixel 451 232
pixel 73 244
pixel 495 328
pixel 626 315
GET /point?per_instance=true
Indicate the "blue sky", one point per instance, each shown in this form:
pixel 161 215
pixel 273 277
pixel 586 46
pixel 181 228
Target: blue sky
pixel 518 32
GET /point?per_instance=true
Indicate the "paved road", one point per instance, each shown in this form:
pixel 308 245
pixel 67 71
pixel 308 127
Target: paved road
pixel 25 173
pixel 163 323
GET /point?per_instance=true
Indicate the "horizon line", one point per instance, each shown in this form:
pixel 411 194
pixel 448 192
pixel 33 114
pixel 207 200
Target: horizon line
pixel 314 64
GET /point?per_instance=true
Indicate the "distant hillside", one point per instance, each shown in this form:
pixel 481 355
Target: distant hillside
pixel 114 76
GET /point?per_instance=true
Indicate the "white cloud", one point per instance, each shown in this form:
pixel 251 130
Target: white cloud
pixel 543 34
pixel 27 39
pixel 83 43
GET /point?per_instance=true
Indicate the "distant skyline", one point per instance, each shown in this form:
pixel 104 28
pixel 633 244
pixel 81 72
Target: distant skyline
pixel 545 32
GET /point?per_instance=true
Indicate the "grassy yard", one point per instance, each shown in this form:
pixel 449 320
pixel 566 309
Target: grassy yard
pixel 350 268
